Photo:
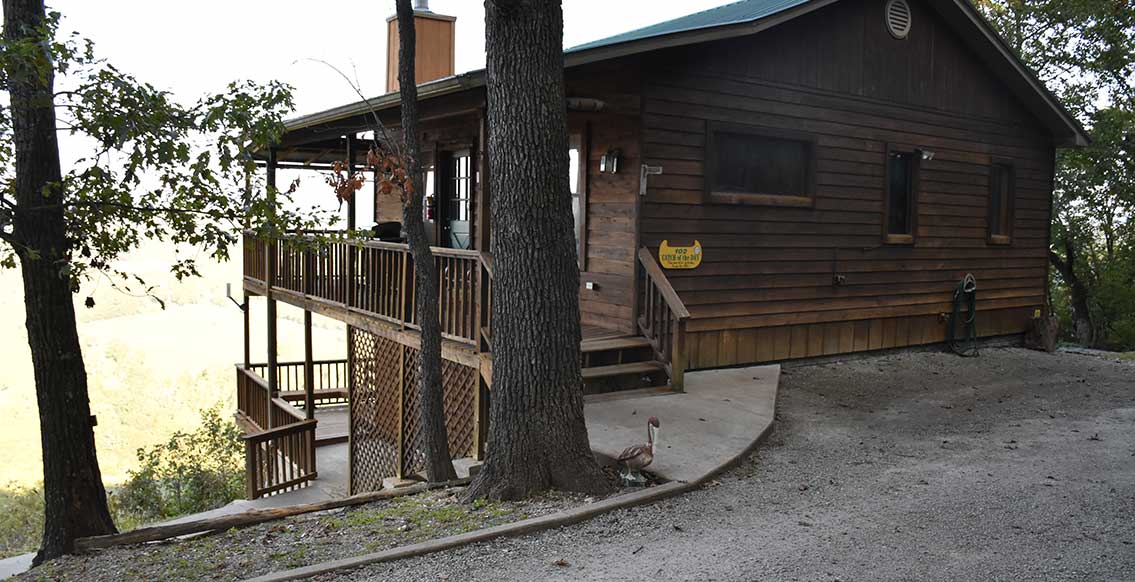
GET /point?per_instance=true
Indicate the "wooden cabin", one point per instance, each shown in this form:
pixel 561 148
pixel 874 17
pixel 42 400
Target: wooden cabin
pixel 816 176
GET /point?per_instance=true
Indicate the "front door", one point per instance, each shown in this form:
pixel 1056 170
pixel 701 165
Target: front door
pixel 457 200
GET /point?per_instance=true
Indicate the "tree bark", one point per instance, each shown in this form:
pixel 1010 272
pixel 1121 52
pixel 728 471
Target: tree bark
pixel 1083 330
pixel 435 440
pixel 537 437
pixel 73 490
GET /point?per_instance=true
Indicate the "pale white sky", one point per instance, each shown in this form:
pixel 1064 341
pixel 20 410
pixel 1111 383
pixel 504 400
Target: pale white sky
pixel 191 48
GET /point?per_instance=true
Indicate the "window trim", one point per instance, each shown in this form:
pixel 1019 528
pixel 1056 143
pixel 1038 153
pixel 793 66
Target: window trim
pixel 711 196
pixel 1010 208
pixel 915 185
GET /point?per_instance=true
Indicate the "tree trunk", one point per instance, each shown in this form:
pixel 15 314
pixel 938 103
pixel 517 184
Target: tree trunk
pixel 73 490
pixel 435 441
pixel 1083 329
pixel 537 437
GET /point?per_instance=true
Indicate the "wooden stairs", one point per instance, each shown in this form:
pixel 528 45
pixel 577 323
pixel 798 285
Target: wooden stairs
pixel 616 364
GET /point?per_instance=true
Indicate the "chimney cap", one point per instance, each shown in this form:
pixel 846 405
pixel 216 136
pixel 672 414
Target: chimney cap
pixel 422 9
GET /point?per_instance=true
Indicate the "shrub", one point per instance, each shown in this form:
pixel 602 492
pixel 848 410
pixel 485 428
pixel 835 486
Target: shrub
pixel 191 472
pixel 21 520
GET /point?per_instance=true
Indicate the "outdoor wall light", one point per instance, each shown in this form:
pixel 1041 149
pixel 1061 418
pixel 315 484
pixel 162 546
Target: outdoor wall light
pixel 609 163
pixel 925 155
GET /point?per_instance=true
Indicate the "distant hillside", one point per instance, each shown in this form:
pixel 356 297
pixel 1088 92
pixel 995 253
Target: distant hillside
pixel 150 370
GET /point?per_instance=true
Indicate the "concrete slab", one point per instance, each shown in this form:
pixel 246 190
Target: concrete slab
pixel 331 461
pixel 717 418
pixel 15 565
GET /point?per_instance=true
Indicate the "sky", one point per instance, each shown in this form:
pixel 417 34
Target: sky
pixel 191 48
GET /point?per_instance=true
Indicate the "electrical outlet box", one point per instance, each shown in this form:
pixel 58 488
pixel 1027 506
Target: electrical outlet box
pixel 591 285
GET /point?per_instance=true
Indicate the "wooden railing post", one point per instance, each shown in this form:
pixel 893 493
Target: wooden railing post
pixel 309 367
pixel 678 357
pixel 403 288
pixel 250 472
pixel 273 379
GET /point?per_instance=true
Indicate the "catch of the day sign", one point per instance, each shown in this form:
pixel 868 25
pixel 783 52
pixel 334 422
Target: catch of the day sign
pixel 679 257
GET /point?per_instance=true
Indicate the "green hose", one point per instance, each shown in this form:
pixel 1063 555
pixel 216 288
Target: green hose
pixel 966 293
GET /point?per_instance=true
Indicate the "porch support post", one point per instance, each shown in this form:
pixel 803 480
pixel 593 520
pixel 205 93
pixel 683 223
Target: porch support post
pixel 308 365
pixel 482 228
pixel 352 205
pixel 270 280
pixel 308 369
pixel 246 307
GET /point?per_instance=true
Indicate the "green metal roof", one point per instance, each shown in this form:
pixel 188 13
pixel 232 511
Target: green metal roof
pixel 742 12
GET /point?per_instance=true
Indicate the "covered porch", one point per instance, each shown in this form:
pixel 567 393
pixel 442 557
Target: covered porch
pixel 369 399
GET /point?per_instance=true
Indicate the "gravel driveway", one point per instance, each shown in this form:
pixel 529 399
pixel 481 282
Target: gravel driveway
pixel 1016 465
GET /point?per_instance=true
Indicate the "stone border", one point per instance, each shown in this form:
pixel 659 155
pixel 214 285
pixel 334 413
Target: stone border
pixel 560 518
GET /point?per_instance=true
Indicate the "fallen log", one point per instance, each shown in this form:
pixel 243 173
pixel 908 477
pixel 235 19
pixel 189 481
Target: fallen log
pixel 252 517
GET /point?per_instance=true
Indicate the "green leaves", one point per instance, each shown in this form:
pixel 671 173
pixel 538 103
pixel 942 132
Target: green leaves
pixel 1084 50
pixel 158 167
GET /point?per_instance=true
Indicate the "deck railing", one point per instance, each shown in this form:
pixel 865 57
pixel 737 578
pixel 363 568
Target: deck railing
pixel 329 381
pixel 487 304
pixel 376 278
pixel 662 318
pixel 280 451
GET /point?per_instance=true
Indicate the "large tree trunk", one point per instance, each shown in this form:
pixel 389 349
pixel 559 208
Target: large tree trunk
pixel 73 491
pixel 537 437
pixel 1083 330
pixel 435 441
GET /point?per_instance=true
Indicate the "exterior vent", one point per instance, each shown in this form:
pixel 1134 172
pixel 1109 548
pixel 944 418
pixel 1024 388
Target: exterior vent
pixel 898 18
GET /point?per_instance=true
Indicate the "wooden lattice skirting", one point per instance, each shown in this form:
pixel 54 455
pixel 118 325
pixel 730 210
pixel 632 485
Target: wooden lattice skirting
pixel 385 425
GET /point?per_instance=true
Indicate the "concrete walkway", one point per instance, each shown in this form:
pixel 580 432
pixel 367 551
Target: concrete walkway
pixel 331 462
pixel 15 565
pixel 720 416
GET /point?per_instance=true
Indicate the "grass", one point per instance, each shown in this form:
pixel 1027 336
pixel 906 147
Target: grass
pixel 241 553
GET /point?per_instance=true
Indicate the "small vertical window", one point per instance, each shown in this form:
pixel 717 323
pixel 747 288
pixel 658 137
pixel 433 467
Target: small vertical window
pixel 1000 202
pixel 900 210
pixel 577 183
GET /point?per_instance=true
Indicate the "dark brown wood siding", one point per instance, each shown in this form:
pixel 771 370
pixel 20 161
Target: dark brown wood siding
pixel 611 199
pixel 765 289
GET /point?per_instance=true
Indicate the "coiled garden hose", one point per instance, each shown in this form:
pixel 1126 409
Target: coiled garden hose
pixel 966 293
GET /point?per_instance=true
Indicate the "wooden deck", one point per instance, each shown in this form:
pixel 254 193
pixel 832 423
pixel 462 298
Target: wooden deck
pixel 595 333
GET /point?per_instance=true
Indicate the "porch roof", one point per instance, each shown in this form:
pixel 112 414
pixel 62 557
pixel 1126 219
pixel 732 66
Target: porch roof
pixel 311 134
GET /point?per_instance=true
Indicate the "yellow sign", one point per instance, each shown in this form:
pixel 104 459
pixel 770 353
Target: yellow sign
pixel 679 257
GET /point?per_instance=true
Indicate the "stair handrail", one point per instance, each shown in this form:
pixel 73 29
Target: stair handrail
pixel 666 329
pixel 658 277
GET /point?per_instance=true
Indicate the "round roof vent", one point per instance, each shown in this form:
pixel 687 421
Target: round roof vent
pixel 898 18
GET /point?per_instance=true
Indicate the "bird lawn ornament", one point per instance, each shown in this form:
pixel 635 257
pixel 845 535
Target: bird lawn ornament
pixel 635 457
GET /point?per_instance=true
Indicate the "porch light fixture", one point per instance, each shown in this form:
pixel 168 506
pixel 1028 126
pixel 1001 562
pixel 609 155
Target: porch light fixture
pixel 925 155
pixel 609 163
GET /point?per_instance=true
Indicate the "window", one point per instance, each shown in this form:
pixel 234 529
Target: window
pixel 753 166
pixel 574 181
pixel 577 183
pixel 1000 203
pixel 900 210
